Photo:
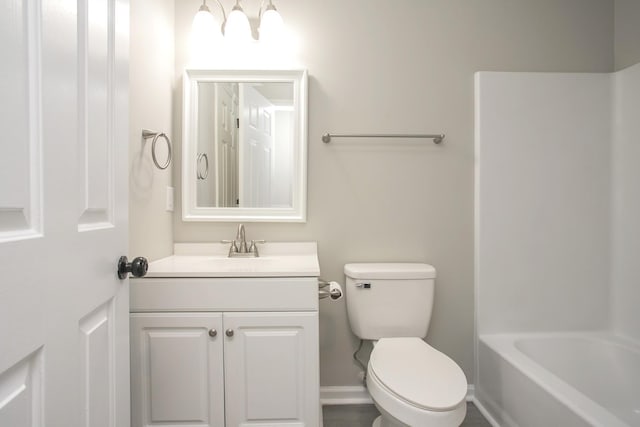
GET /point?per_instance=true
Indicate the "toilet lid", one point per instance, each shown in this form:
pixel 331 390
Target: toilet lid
pixel 418 373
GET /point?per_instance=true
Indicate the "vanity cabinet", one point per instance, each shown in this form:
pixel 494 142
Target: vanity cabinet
pixel 224 352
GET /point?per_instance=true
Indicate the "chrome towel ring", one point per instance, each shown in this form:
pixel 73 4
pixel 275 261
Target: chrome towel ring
pixel 146 134
pixel 201 173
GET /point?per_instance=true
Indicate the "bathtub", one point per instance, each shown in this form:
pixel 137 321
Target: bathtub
pixel 559 379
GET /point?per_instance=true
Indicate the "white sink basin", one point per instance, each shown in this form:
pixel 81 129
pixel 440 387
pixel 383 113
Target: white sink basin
pixel 298 259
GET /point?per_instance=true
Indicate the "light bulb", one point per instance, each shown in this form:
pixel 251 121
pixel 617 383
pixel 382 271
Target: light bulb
pixel 271 25
pixel 205 31
pixel 237 28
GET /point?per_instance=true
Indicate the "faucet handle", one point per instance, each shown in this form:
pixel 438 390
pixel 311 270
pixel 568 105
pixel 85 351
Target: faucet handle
pixel 253 248
pixel 234 246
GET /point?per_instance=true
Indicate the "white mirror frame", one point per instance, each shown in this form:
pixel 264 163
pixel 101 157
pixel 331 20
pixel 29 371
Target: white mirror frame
pixel 190 210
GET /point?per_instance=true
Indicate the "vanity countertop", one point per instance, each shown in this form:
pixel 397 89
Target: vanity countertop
pixel 277 259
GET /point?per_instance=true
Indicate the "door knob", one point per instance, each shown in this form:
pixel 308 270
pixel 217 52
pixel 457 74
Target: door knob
pixel 229 332
pixel 213 333
pixel 138 267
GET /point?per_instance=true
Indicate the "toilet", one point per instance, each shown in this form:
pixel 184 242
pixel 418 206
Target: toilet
pixel 410 382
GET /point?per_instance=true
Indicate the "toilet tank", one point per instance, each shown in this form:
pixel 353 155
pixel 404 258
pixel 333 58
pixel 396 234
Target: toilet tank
pixel 389 299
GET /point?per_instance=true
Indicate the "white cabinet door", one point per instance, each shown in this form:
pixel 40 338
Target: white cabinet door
pixel 64 345
pixel 176 367
pixel 271 369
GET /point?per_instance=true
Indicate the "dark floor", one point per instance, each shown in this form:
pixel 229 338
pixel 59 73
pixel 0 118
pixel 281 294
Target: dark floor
pixel 363 416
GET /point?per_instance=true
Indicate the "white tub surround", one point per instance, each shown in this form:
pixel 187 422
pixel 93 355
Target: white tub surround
pixel 542 201
pixel 557 232
pixel 626 203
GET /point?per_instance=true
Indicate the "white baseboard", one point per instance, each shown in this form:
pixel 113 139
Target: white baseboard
pixel 470 392
pixel 485 412
pixel 358 395
pixel 344 395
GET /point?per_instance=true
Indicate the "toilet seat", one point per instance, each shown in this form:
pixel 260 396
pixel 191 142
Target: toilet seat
pixel 417 374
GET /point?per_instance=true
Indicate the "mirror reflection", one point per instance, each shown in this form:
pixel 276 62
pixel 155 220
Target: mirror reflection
pixel 245 135
pixel 244 145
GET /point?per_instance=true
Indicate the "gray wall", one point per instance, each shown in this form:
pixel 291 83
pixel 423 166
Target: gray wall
pixel 151 81
pixel 406 66
pixel 374 66
pixel 627 33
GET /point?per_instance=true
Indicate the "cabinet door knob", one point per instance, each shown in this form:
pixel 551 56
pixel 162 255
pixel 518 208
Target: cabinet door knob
pixel 213 333
pixel 229 332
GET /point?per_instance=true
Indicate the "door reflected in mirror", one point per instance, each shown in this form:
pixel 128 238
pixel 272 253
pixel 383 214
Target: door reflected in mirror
pixel 244 145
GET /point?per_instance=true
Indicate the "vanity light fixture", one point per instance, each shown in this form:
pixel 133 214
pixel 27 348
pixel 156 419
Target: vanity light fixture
pixel 271 24
pixel 236 27
pixel 204 26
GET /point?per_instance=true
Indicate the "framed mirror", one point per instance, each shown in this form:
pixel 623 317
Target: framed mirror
pixel 244 145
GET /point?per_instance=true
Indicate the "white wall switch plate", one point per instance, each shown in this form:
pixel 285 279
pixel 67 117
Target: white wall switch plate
pixel 169 207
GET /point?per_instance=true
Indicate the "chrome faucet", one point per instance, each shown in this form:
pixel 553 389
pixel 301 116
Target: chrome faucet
pixel 238 246
pixel 240 240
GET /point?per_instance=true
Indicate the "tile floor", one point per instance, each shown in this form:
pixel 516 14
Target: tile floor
pixel 363 416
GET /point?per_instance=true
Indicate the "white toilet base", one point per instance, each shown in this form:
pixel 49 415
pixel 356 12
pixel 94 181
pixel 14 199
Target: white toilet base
pixel 385 422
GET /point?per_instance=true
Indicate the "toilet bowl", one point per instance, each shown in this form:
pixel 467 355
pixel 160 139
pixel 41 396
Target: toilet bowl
pixel 413 384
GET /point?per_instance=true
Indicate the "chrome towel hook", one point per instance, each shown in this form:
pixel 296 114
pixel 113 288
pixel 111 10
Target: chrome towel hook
pixel 146 134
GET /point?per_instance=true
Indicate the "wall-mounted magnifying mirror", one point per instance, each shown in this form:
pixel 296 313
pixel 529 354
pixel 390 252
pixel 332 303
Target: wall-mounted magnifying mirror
pixel 244 145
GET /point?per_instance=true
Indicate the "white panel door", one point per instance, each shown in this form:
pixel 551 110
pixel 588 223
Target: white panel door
pixel 256 148
pixel 63 213
pixel 271 369
pixel 206 183
pixel 176 365
pixel 227 145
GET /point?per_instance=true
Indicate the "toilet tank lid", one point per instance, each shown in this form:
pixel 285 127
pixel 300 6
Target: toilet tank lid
pixel 390 270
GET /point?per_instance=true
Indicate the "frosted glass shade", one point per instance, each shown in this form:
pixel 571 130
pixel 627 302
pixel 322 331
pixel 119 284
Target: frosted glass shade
pixel 237 28
pixel 204 29
pixel 271 25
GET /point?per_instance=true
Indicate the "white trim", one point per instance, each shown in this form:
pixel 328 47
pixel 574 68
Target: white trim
pixel 476 224
pixel 358 395
pixel 484 412
pixel 471 390
pixel 298 211
pixel 344 395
